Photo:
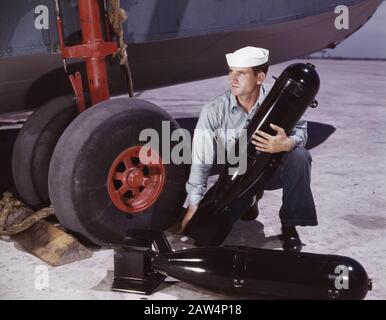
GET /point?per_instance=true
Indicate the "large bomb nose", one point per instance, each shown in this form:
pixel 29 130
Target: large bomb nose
pixel 305 75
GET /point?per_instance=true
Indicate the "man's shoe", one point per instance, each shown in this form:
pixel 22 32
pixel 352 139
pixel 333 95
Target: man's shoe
pixel 291 240
pixel 251 214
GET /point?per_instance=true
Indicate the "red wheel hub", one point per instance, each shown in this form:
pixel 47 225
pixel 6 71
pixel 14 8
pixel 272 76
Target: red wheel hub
pixel 136 179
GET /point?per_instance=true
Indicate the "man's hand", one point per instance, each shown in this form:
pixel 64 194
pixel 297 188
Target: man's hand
pixel 272 144
pixel 188 215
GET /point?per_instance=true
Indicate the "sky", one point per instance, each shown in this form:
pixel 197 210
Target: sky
pixel 369 42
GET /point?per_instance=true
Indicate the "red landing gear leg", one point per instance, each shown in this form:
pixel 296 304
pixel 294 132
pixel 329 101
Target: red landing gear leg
pixel 93 50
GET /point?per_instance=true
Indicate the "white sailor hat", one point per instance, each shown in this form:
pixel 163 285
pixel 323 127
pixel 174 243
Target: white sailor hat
pixel 247 57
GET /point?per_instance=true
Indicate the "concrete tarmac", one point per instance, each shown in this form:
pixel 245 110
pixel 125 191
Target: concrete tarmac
pixel 348 146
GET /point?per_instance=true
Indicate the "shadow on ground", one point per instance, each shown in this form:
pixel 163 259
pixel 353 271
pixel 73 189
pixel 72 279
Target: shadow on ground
pixel 251 233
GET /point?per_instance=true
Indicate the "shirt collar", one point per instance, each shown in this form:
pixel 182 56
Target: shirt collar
pixel 260 99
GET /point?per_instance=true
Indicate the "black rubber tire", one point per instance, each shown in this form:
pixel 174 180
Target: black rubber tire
pixel 81 162
pixel 34 147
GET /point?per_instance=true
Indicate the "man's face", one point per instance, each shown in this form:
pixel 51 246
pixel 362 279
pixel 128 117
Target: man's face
pixel 244 81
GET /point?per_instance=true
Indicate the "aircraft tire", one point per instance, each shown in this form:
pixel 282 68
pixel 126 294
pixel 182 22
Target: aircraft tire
pixel 34 146
pixel 100 146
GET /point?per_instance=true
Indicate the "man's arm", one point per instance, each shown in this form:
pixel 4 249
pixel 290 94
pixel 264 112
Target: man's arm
pixel 281 142
pixel 299 133
pixel 203 155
